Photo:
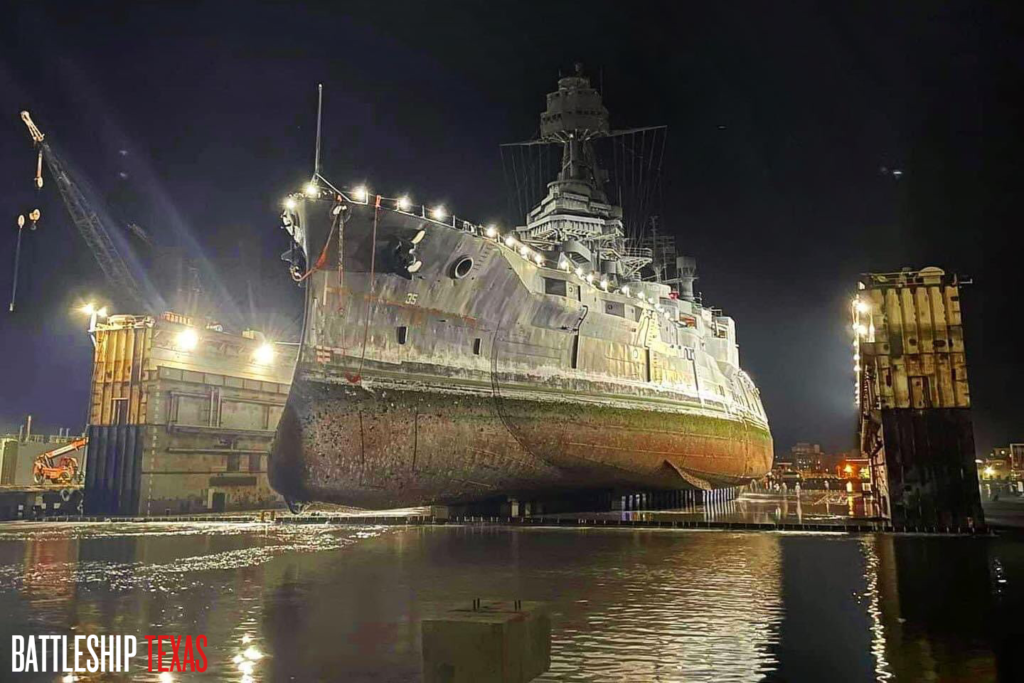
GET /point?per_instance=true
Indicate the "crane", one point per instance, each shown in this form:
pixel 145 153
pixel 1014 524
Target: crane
pixel 85 219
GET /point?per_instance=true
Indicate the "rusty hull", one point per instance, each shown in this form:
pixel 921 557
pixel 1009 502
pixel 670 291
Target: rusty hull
pixel 440 389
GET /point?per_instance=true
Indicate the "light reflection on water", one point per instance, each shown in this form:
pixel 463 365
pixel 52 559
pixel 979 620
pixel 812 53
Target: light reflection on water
pixel 871 571
pixel 703 610
pixel 307 603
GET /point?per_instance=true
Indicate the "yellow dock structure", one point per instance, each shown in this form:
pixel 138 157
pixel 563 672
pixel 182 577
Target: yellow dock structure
pixel 914 398
pixel 181 416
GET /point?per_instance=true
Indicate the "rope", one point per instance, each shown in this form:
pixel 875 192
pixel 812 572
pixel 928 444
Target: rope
pixel 322 259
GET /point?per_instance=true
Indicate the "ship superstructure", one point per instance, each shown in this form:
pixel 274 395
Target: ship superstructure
pixel 446 361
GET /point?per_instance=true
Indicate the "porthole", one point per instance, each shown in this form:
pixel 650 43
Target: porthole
pixel 461 267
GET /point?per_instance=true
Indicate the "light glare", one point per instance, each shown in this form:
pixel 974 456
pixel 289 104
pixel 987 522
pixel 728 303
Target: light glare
pixel 187 340
pixel 264 354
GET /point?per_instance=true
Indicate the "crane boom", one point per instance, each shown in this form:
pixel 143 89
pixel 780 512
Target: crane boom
pixel 89 225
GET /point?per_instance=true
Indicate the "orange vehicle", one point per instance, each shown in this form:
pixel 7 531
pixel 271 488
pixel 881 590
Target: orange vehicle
pixel 57 466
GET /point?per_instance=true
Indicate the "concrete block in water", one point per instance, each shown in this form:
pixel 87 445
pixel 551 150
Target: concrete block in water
pixel 488 641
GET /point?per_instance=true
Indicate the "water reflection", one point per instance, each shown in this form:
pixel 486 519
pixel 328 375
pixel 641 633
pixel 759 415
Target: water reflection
pixel 782 506
pixel 324 603
pixel 940 607
pixel 656 609
pixel 872 566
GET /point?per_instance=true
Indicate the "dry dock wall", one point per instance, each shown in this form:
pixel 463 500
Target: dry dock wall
pixel 181 418
pixel 914 397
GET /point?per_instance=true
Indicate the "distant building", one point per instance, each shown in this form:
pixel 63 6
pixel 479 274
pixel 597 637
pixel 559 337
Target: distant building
pixel 1016 456
pixel 807 456
pixel 1003 462
pixel 1002 453
pixel 994 469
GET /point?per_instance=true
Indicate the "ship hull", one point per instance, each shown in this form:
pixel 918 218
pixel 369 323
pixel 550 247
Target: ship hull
pixel 437 389
pixel 391 447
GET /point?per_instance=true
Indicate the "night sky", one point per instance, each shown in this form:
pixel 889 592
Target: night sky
pixel 195 119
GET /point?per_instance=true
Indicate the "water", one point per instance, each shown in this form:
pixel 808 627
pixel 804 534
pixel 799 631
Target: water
pixel 344 603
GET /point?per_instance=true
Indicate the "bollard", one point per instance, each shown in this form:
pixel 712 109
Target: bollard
pixel 491 641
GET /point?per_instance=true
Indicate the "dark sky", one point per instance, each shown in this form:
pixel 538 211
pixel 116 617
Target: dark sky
pixel 781 117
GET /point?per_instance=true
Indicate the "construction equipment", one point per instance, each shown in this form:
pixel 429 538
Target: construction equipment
pixel 57 467
pixel 89 224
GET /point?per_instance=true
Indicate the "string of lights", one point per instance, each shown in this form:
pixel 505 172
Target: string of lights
pixel 360 194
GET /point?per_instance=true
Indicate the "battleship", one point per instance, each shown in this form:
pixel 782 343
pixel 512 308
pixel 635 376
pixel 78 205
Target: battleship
pixel 443 361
